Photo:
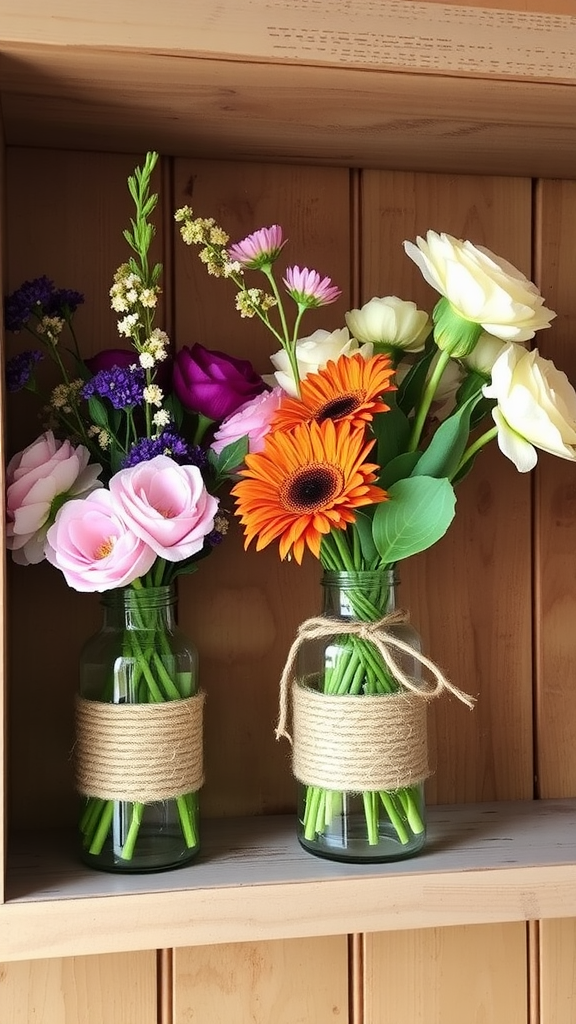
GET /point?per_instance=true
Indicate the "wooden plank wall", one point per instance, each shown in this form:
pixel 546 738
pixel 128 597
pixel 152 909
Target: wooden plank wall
pixel 494 600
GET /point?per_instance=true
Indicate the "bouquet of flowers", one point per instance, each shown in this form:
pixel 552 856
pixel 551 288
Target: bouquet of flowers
pixel 372 428
pixel 120 490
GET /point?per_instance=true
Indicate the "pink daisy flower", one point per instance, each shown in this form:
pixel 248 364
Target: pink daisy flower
pixel 307 288
pixel 258 249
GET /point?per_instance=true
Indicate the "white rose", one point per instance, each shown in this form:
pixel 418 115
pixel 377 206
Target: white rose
pixel 481 287
pixel 536 407
pixel 390 321
pixel 484 355
pixel 313 353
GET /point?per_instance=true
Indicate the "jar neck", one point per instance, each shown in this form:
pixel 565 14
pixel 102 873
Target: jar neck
pixel 360 595
pixel 148 608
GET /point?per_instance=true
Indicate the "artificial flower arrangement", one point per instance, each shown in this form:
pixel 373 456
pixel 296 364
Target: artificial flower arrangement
pixel 372 428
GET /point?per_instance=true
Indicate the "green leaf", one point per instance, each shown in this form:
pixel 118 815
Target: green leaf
pixel 411 388
pixel 173 405
pixel 443 454
pixel 363 527
pixel 400 468
pixel 417 515
pixel 392 431
pixel 229 459
pixel 98 412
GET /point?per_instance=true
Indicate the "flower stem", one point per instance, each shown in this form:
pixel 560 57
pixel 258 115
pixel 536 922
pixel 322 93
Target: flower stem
pixel 426 401
pixel 474 448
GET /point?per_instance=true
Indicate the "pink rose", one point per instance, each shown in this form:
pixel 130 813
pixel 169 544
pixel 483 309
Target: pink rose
pixel 94 548
pixel 166 505
pixel 251 420
pixel 39 480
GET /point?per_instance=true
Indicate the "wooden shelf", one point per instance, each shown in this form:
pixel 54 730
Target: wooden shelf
pixel 483 863
pixel 446 88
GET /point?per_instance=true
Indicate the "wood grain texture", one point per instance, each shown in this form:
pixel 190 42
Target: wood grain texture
pixel 447 976
pixel 243 608
pixel 3 631
pixel 449 38
pixel 558 972
pixel 555 577
pixel 288 982
pixel 485 863
pixel 555 510
pixel 469 595
pixel 119 989
pixel 116 100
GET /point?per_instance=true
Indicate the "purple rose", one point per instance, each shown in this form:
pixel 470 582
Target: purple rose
pixel 108 358
pixel 213 383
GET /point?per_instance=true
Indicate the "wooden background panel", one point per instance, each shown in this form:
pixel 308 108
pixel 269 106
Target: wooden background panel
pixel 469 595
pixel 119 988
pixel 287 982
pixel 243 608
pixel 64 219
pixel 557 972
pixel 555 537
pixel 555 576
pixel 3 675
pixel 475 975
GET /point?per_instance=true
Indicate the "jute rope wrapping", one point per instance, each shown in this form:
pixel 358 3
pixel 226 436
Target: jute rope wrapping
pixel 139 752
pixel 361 743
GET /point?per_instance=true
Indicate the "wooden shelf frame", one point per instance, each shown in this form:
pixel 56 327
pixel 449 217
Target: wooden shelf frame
pixel 467 91
pixel 484 863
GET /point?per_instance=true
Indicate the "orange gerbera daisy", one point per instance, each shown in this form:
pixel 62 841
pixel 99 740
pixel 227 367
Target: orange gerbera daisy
pixel 348 389
pixel 304 483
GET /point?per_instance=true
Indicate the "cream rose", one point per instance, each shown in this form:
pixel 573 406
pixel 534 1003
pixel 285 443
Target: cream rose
pixel 390 321
pixel 536 407
pixel 312 354
pixel 484 354
pixel 481 287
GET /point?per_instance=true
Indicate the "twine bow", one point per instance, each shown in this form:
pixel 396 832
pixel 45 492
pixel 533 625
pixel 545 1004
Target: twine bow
pixel 378 634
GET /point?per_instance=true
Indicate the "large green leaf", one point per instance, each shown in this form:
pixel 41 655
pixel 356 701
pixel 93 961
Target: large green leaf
pixel 417 515
pixel 442 456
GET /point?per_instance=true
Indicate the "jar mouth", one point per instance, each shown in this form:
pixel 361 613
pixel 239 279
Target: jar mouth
pixel 359 578
pixel 140 597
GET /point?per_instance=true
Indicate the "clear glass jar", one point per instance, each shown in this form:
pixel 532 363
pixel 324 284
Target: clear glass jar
pixel 346 821
pixel 138 730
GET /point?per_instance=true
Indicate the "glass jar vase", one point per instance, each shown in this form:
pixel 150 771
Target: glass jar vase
pixel 138 750
pixel 359 725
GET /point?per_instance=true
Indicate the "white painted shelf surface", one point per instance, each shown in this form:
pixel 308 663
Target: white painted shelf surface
pixel 483 863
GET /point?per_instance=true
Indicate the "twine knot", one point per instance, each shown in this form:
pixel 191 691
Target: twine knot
pixel 379 634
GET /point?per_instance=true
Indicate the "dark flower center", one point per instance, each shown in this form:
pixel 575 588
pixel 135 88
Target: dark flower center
pixel 336 408
pixel 311 488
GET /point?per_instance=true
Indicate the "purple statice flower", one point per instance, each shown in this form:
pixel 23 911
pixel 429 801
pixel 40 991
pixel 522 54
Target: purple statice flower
pixel 32 296
pixel 308 289
pixel 258 249
pixel 41 298
pixel 123 386
pixel 64 300
pixel 20 369
pixel 167 443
